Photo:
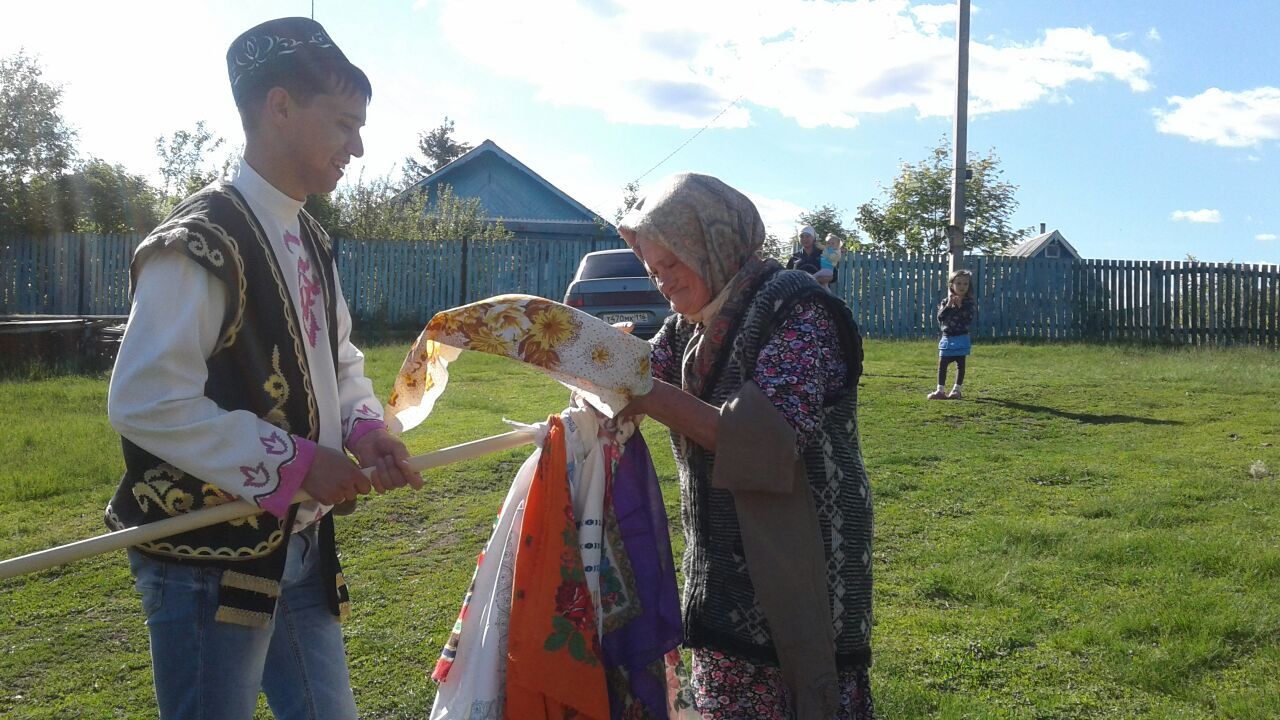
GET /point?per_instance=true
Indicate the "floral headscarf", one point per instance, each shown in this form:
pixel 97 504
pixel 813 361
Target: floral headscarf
pixel 717 232
pixel 711 227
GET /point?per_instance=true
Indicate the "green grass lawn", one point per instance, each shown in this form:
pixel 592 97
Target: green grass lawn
pixel 1093 533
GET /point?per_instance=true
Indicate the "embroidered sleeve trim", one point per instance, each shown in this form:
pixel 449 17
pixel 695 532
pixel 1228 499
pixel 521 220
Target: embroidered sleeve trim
pixel 292 473
pixel 361 427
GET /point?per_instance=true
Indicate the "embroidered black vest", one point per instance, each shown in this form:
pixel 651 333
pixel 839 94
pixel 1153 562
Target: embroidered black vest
pixel 719 606
pixel 259 364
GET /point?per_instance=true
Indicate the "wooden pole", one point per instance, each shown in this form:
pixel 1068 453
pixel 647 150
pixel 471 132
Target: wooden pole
pixel 121 539
pixel 955 231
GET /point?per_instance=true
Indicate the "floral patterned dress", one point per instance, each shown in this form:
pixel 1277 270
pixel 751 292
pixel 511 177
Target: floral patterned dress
pixel 798 369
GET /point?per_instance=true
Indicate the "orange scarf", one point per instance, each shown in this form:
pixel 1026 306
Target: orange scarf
pixel 554 667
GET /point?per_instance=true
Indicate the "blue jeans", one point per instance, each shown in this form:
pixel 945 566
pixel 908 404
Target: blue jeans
pixel 208 670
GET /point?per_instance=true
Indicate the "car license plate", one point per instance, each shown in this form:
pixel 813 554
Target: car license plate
pixel 635 317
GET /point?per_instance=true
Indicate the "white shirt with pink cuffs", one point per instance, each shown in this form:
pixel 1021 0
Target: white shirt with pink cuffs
pixel 157 400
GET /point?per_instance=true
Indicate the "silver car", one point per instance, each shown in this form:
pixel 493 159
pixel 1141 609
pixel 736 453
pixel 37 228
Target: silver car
pixel 613 286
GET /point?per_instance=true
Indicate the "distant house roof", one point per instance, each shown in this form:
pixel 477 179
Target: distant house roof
pixel 509 191
pixel 1029 248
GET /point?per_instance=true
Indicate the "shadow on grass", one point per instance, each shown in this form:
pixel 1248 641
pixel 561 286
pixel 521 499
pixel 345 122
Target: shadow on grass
pixel 918 376
pixel 30 370
pixel 1086 418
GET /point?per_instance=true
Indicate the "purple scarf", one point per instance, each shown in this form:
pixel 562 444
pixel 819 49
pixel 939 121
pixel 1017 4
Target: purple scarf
pixel 646 621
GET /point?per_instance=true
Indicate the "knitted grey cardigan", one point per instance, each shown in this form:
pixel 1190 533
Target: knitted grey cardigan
pixel 720 606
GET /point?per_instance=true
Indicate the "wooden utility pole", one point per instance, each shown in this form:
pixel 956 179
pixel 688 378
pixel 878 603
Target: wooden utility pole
pixel 955 231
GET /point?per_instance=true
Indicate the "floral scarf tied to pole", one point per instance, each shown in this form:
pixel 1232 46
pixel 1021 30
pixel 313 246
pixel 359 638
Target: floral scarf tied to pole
pixel 573 604
pixel 604 365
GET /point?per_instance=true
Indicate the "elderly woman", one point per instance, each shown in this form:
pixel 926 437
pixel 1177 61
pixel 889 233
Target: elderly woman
pixel 756 376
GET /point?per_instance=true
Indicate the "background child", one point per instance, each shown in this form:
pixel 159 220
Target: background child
pixel 955 313
pixel 828 261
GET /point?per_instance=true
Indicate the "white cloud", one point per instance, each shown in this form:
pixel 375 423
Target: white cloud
pixel 672 62
pixel 1196 216
pixel 1227 119
pixel 779 216
pixel 1265 237
pixel 1153 34
pixel 934 16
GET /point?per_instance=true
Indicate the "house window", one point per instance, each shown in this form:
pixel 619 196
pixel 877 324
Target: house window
pixel 1052 250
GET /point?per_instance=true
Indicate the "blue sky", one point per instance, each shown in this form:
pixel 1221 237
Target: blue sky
pixel 1140 130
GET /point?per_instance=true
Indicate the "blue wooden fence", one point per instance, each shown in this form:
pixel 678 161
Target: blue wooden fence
pixel 391 281
pixel 404 283
pixel 66 274
pixel 1158 301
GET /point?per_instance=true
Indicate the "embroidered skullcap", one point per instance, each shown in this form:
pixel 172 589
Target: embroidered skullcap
pixel 710 226
pixel 263 48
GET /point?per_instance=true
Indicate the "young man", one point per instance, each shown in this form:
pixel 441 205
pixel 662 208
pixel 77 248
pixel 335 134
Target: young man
pixel 237 378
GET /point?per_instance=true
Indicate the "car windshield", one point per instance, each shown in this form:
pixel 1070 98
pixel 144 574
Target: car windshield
pixel 612 265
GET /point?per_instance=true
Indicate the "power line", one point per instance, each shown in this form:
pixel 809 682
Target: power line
pixel 691 138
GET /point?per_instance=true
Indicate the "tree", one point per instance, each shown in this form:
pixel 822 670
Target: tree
pixel 96 197
pixel 376 210
pixel 326 212
pixel 828 219
pixel 38 206
pixel 775 247
pixel 185 162
pixel 36 145
pixel 438 148
pixel 914 215
pixel 451 217
pixel 108 199
pixel 630 196
pixel 33 136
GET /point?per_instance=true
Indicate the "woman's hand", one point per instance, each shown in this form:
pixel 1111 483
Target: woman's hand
pixel 636 408
pixel 955 300
pixel 678 410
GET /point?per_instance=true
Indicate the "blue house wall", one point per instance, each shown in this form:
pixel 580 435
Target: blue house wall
pixel 525 203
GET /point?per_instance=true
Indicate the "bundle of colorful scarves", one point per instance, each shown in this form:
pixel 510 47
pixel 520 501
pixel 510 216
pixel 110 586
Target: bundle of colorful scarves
pixel 572 611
